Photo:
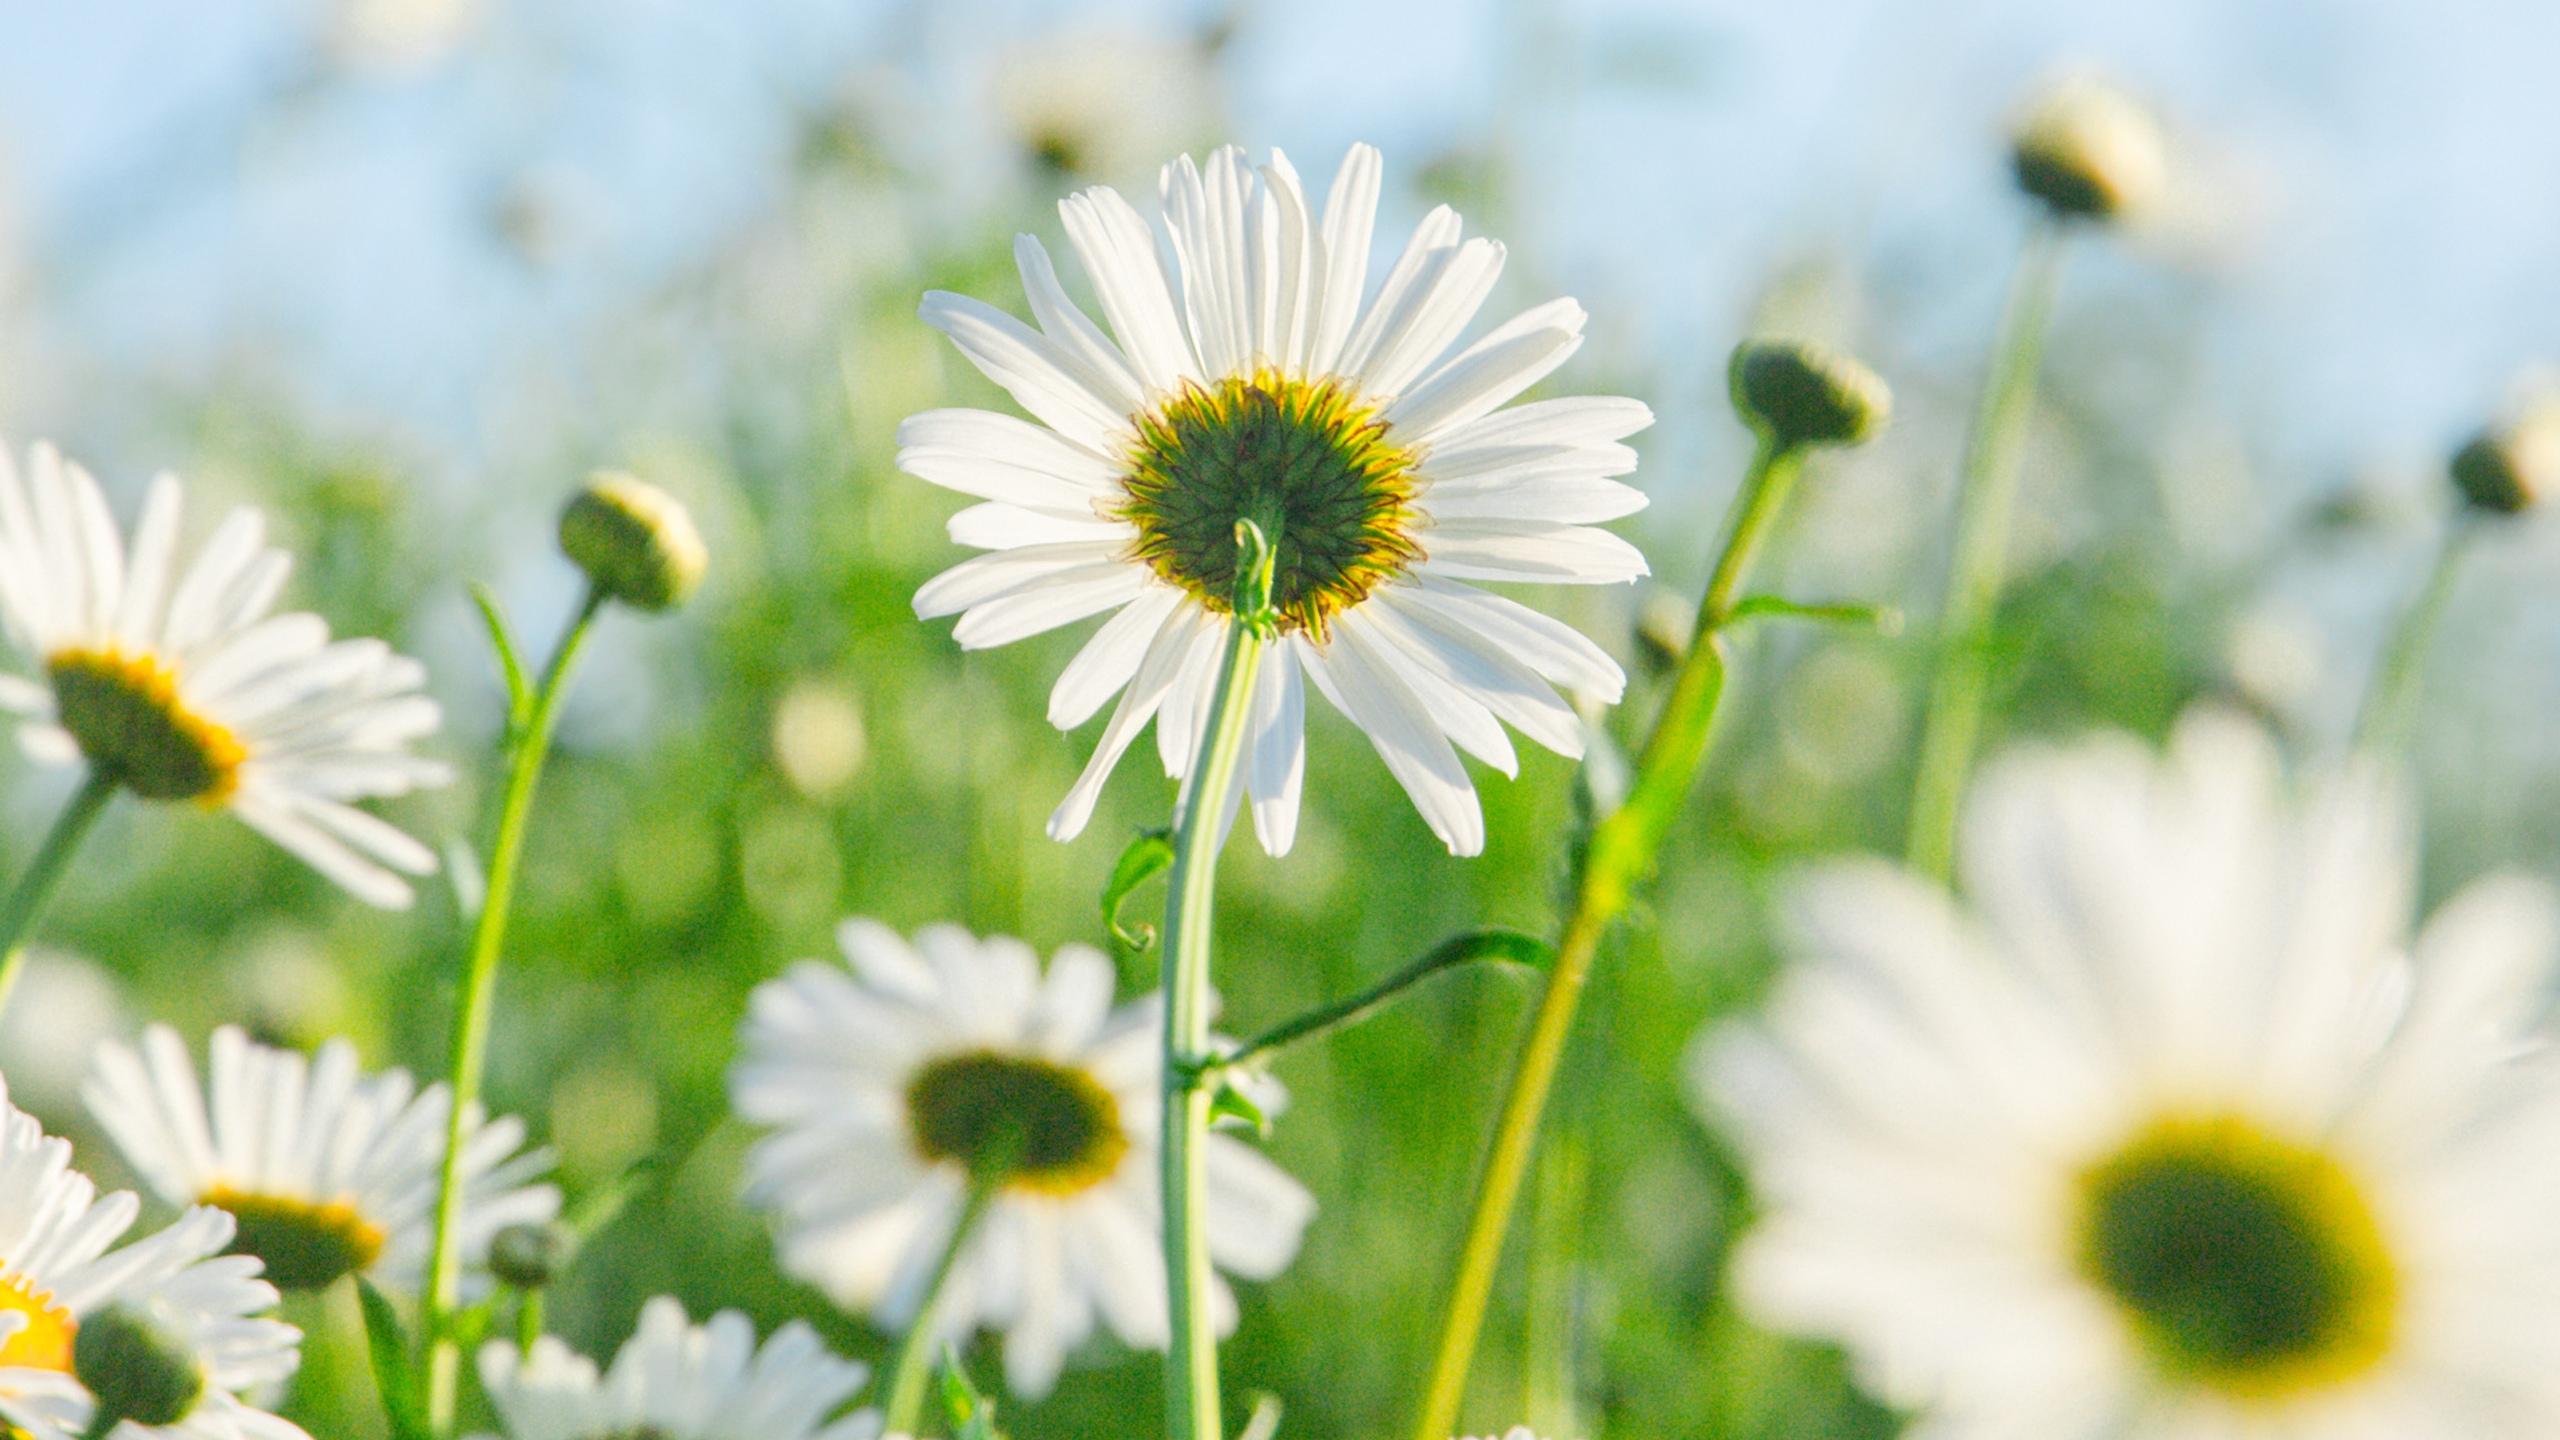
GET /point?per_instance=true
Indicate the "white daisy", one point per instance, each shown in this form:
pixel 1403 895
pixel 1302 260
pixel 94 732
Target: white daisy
pixel 58 1272
pixel 183 685
pixel 329 1171
pixel 2172 1136
pixel 887 1085
pixel 1249 380
pixel 677 1381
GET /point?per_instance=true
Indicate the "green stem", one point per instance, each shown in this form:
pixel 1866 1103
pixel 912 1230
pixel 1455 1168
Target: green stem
pixel 1191 1360
pixel 1470 948
pixel 2390 706
pixel 1988 495
pixel 528 1321
pixel 25 905
pixel 913 1370
pixel 1620 854
pixel 528 747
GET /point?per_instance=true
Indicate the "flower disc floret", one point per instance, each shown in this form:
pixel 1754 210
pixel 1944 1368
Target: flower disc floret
pixel 126 713
pixel 2247 1261
pixel 1308 461
pixel 1036 1125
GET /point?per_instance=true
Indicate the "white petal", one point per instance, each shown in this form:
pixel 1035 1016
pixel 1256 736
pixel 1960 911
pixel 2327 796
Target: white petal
pixel 1350 218
pixel 1108 659
pixel 1138 705
pixel 1512 550
pixel 1029 366
pixel 1118 251
pixel 1490 372
pixel 1414 750
pixel 982 578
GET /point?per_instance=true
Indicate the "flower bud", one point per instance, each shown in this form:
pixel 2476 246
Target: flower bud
pixel 1802 394
pixel 2089 151
pixel 2512 465
pixel 136 1369
pixel 634 541
pixel 1666 622
pixel 529 1257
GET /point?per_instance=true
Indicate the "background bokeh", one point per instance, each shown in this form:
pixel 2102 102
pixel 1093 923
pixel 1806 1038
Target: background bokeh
pixel 400 271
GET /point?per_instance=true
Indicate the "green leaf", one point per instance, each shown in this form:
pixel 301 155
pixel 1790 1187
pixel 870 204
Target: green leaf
pixel 387 1341
pixel 973 1415
pixel 1148 856
pixel 510 658
pixel 1232 1109
pixel 1265 1420
pixel 1883 619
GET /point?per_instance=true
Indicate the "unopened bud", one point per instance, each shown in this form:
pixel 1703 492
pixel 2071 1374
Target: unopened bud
pixel 136 1369
pixel 2089 151
pixel 1799 393
pixel 2511 466
pixel 1666 622
pixel 634 541
pixel 529 1257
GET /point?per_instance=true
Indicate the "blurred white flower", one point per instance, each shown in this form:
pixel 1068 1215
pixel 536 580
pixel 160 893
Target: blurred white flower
pixel 1250 380
pixel 889 1085
pixel 678 1381
pixel 395 35
pixel 329 1171
pixel 64 1008
pixel 2169 1136
pixel 1101 104
pixel 58 1272
pixel 182 684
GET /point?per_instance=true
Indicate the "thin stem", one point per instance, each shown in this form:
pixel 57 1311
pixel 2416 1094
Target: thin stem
pixel 528 747
pixel 1476 945
pixel 914 1366
pixel 1988 495
pixel 25 904
pixel 528 1322
pixel 2390 706
pixel 1191 1360
pixel 1620 854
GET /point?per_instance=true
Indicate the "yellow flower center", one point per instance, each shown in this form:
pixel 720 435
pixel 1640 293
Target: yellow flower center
pixel 44 1343
pixel 306 1245
pixel 1307 460
pixel 2243 1261
pixel 1041 1127
pixel 125 712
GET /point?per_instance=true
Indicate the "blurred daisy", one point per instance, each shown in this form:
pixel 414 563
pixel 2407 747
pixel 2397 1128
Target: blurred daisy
pixel 1249 380
pixel 58 1275
pixel 330 1171
pixel 1101 104
pixel 182 685
pixel 2170 1138
pixel 677 1381
pixel 889 1087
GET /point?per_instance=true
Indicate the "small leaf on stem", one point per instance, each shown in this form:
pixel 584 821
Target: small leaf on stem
pixel 1149 855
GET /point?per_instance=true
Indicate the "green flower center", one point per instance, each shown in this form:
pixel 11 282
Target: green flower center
pixel 125 712
pixel 1308 461
pixel 1040 1126
pixel 2244 1261
pixel 306 1245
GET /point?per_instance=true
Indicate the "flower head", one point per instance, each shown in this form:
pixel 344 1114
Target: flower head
pixel 679 1381
pixel 184 685
pixel 2089 151
pixel 68 1295
pixel 636 543
pixel 894 1087
pixel 1253 376
pixel 2167 1138
pixel 329 1171
pixel 2515 463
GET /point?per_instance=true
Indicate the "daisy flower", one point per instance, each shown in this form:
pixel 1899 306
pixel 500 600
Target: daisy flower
pixel 889 1085
pixel 184 684
pixel 679 1381
pixel 329 1171
pixel 1250 374
pixel 58 1274
pixel 2170 1133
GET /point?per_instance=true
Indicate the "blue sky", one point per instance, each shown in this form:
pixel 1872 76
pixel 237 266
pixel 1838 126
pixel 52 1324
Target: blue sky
pixel 184 201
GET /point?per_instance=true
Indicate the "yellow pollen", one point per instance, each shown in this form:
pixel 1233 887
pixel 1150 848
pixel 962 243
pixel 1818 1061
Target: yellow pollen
pixel 306 1244
pixel 45 1342
pixel 126 713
